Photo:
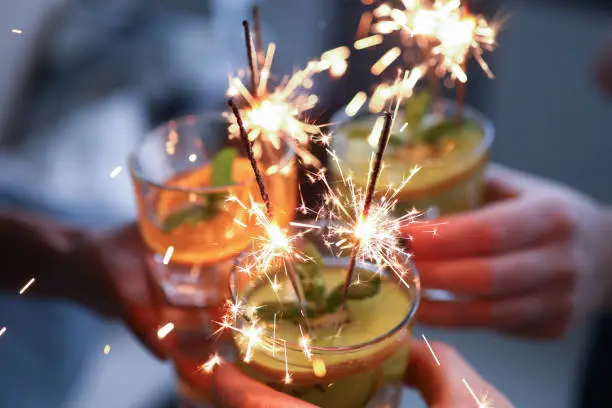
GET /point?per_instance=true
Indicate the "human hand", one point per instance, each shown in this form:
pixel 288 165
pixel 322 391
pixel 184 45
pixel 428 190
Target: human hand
pixel 441 386
pixel 116 281
pixel 529 263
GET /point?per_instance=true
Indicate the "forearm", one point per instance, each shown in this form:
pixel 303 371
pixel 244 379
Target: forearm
pixel 606 258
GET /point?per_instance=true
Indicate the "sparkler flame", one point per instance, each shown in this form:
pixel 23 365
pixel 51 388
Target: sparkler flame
pixel 379 234
pixel 444 30
pixel 279 114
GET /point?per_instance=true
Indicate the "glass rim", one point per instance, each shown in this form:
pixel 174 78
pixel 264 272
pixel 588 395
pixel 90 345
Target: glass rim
pixel 341 119
pixel 348 348
pixel 208 115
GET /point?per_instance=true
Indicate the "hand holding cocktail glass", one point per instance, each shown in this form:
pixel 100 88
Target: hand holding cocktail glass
pixel 531 262
pixel 441 385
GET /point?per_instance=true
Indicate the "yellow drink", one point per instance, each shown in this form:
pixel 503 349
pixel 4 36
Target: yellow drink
pixel 351 363
pixel 451 175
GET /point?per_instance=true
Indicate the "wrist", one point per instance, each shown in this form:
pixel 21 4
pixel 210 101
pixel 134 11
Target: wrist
pixel 84 278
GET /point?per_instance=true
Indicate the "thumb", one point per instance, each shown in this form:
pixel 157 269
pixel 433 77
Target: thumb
pixel 446 380
pixel 505 183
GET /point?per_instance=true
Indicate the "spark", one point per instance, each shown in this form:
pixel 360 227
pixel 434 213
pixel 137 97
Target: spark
pixel 253 335
pixel 274 114
pixel 368 42
pixel 168 255
pixel 402 88
pixel 116 171
pixel 274 336
pixel 386 60
pixel 2 331
pixel 356 103
pixel 16 31
pixel 193 157
pixel 482 402
pixel 212 362
pixel 107 349
pixel 288 378
pixel 431 349
pixel 275 246
pixel 165 330
pixel 26 286
pixel 305 343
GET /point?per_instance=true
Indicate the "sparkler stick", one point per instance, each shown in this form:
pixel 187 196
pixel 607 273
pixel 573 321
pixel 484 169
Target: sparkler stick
pixel 460 96
pixel 291 273
pixel 249 149
pixel 374 173
pixel 258 38
pixel 460 84
pixel 252 62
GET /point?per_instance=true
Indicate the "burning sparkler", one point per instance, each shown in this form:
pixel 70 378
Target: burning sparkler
pixel 444 30
pixel 374 236
pixel 275 245
pixel 279 114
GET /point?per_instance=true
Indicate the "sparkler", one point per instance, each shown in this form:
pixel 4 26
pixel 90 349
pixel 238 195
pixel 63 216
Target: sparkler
pixel 363 229
pixel 274 115
pixel 444 31
pixel 356 222
pixel 276 244
pixel 258 39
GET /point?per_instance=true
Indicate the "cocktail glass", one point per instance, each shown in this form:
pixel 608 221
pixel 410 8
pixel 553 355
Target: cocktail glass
pixel 183 173
pixel 451 176
pixel 356 362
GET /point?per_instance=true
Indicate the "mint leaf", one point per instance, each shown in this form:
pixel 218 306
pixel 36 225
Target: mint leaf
pixel 364 290
pixel 221 175
pixel 190 215
pixel 222 167
pixel 334 300
pixel 311 276
pixel 416 108
pixel 434 134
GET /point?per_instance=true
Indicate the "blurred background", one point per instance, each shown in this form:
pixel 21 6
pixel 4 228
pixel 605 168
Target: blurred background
pixel 84 80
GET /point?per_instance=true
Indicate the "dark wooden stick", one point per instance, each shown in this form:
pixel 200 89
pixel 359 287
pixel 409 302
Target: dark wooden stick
pixel 461 96
pixel 291 272
pixel 252 62
pixel 258 38
pixel 249 149
pixel 372 179
pixel 378 161
pixel 434 84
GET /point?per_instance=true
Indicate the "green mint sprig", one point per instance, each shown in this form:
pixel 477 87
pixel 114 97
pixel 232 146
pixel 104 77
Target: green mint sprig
pixel 221 175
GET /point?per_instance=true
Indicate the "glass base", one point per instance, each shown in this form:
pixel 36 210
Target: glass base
pixel 191 285
pixel 389 396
